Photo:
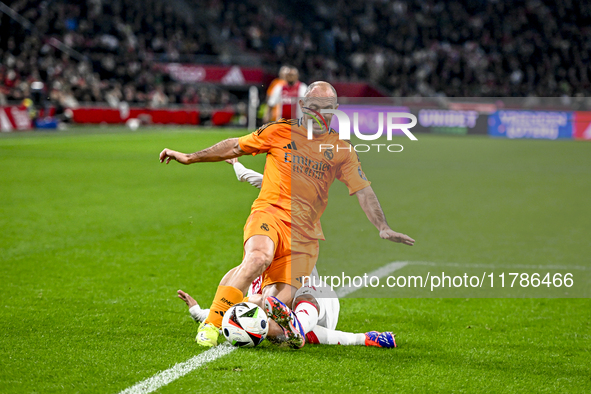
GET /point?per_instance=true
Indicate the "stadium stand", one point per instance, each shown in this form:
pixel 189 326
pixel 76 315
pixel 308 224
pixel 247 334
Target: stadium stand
pixel 417 47
pixel 409 48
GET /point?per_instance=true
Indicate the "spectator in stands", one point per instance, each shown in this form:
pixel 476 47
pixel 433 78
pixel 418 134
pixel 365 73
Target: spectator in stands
pixel 158 99
pixel 114 96
pixel 286 95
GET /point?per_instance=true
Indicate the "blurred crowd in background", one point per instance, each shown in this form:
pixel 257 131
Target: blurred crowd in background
pixel 427 47
pixel 409 48
pixel 120 40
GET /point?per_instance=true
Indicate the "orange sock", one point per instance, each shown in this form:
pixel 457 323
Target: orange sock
pixel 245 299
pixel 225 297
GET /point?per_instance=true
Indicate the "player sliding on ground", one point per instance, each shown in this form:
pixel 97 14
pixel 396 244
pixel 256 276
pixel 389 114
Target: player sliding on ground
pixel 281 234
pixel 320 302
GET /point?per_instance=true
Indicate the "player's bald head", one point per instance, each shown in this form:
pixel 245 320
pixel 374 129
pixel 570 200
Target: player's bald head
pixel 320 94
pixel 320 89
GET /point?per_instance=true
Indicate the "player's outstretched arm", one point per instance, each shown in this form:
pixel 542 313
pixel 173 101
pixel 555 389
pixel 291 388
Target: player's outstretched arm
pixel 195 310
pixel 190 301
pixel 246 174
pixel 372 208
pixel 226 149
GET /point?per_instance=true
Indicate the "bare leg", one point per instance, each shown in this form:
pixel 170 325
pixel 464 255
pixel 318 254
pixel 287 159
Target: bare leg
pixel 258 256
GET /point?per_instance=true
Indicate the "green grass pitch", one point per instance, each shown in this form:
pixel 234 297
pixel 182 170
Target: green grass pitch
pixel 97 236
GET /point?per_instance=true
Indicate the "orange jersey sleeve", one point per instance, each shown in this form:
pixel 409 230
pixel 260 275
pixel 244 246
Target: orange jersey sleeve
pixel 351 174
pixel 260 141
pixel 272 85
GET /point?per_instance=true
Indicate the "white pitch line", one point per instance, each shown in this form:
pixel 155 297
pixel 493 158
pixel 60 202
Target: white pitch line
pixel 494 266
pixel 178 370
pixel 380 273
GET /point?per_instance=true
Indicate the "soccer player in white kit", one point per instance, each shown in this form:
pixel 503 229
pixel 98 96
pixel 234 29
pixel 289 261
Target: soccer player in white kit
pixel 322 299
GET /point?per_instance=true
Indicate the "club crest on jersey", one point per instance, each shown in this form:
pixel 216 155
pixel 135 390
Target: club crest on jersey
pixel 265 227
pixel 328 154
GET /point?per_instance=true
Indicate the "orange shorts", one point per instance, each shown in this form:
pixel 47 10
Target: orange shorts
pixel 292 259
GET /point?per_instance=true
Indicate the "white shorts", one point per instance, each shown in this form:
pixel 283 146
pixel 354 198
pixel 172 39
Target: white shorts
pixel 328 302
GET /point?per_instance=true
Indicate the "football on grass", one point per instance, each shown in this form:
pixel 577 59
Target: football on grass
pixel 245 325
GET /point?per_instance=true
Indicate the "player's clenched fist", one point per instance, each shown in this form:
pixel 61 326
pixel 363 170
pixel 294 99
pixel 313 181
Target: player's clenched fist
pixel 169 154
pixel 393 236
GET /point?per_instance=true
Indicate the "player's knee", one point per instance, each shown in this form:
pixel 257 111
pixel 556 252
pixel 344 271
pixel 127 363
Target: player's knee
pixel 257 261
pixel 307 298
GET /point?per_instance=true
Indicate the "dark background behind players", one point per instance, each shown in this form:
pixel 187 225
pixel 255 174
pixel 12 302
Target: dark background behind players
pixel 453 48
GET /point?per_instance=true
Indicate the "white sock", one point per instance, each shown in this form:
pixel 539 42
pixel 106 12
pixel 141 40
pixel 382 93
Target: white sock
pixel 307 314
pixel 198 314
pixel 334 337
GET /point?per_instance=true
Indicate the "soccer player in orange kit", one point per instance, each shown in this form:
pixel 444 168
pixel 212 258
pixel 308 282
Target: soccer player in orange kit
pixel 282 232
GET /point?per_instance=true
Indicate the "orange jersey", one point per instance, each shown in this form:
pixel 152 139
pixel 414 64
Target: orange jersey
pixel 298 174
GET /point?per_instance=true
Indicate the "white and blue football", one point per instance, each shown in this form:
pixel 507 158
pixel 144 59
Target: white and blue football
pixel 245 325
